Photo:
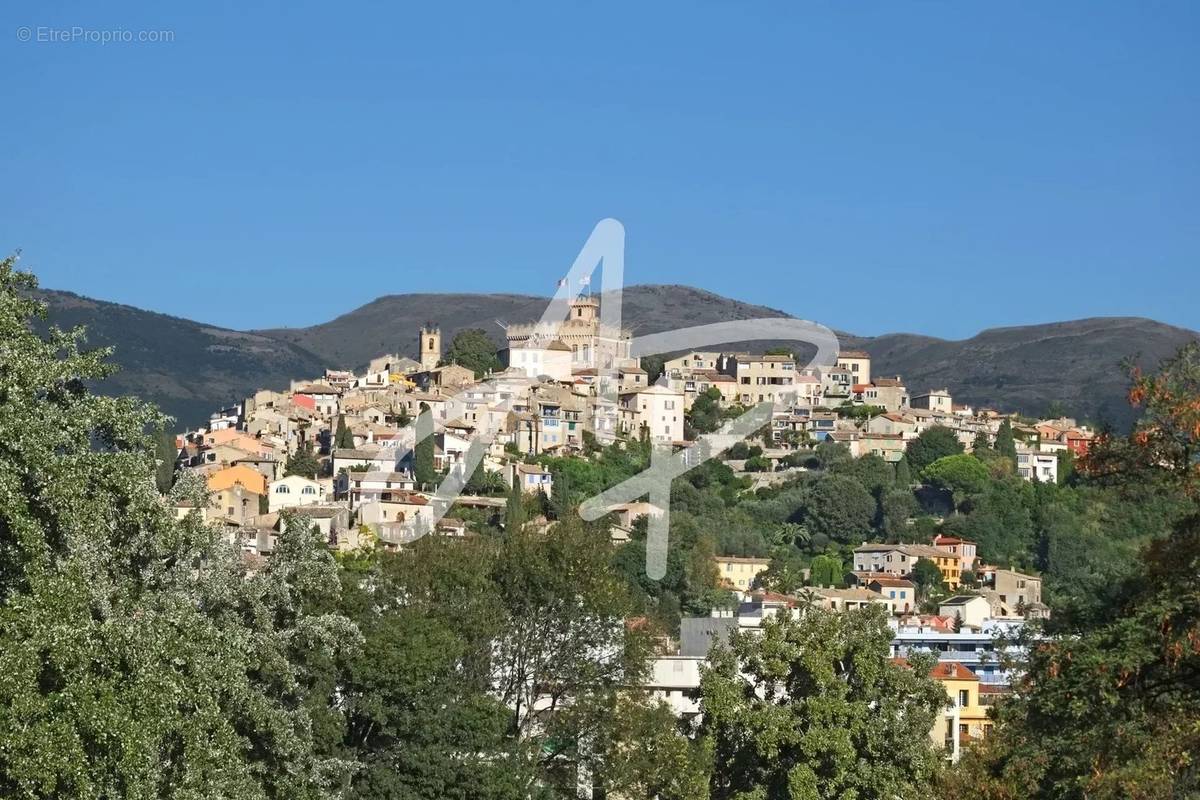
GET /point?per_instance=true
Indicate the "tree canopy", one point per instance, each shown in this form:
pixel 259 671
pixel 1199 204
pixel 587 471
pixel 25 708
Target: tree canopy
pixel 933 443
pixel 1111 708
pixel 139 658
pixel 961 475
pixel 815 708
pixel 471 348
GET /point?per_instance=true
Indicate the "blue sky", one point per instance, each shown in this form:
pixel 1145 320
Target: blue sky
pixel 929 167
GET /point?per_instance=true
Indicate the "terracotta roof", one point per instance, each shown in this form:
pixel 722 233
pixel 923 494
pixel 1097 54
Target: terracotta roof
pixel 892 581
pixel 952 670
pixel 316 388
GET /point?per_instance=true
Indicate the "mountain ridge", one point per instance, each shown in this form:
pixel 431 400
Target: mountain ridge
pixel 191 368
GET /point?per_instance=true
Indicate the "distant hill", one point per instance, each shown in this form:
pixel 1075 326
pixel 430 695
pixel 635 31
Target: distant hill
pixel 1078 364
pixel 390 323
pixel 190 368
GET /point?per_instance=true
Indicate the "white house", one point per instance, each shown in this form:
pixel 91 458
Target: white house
pixel 534 479
pixel 292 491
pixel 1033 465
pixel 537 359
pixel 658 409
pixel 970 610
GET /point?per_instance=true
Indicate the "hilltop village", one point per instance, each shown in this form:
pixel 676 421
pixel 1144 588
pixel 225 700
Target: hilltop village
pixel 362 454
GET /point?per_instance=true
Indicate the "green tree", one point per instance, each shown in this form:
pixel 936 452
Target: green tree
pixel 870 470
pixel 644 754
pixel 564 654
pixel 815 708
pixel 896 508
pixel 981 444
pixel 961 475
pixel 826 570
pixel 654 366
pixel 903 472
pixel 1066 466
pixel 935 442
pixel 1111 708
pixel 828 453
pixel 705 414
pixel 423 471
pixel 757 464
pixel 343 438
pixel 139 658
pixel 471 348
pixel 785 573
pixel 928 579
pixel 1006 445
pixel 302 462
pixel 1113 712
pixel 165 454
pixel 840 508
pixel 514 508
pixel 416 696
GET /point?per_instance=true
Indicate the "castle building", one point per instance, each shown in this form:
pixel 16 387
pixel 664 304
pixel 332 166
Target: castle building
pixel 592 344
pixel 430 346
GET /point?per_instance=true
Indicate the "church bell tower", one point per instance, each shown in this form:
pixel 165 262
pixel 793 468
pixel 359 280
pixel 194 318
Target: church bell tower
pixel 430 346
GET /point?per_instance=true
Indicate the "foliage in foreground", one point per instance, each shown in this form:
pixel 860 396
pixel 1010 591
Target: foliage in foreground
pixel 137 657
pixel 815 709
pixel 1112 710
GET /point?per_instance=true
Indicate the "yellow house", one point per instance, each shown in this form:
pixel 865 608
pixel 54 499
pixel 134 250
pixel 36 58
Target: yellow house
pixel 740 572
pixel 964 720
pixel 248 477
pixel 950 567
pixel 899 559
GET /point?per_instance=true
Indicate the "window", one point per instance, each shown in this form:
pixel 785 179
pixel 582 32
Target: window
pixel 282 490
pixel 308 490
pixel 964 699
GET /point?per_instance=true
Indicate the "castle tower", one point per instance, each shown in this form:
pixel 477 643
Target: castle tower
pixel 585 308
pixel 430 346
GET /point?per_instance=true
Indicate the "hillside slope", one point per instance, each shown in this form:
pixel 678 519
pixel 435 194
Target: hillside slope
pixel 189 369
pixel 390 323
pixel 1077 363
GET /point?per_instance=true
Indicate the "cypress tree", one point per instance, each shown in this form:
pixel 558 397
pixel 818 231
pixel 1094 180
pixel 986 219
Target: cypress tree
pixel 903 472
pixel 423 471
pixel 342 438
pixel 514 512
pixel 1005 444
